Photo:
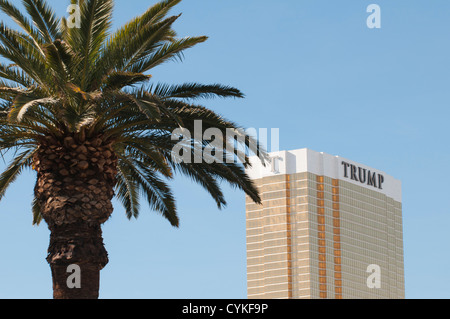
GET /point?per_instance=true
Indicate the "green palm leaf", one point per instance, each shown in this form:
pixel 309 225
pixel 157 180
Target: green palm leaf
pixel 14 169
pixel 87 40
pixel 169 51
pixel 43 18
pixel 22 21
pixel 195 91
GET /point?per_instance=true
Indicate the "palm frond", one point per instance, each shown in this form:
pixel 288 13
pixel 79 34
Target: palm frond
pixel 87 40
pixel 43 18
pixel 36 210
pixel 15 48
pixel 158 194
pixel 23 103
pixel 14 169
pixel 22 21
pixel 169 51
pixel 11 73
pixel 194 91
pixel 119 79
pixel 127 191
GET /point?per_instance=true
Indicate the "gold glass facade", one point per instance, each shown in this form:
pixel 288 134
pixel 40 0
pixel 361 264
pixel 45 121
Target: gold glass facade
pixel 315 237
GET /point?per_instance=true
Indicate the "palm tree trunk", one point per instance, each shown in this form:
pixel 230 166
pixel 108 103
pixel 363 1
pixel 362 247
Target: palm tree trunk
pixel 74 189
pixel 79 245
pixel 89 288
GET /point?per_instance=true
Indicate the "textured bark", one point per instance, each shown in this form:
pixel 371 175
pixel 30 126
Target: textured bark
pixel 74 188
pixel 90 283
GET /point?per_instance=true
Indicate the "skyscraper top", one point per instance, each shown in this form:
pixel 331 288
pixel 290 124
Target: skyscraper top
pixel 319 163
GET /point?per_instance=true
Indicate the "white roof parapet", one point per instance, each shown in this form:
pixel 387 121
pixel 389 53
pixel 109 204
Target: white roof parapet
pixel 306 160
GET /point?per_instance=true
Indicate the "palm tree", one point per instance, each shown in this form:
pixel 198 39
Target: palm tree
pixel 78 106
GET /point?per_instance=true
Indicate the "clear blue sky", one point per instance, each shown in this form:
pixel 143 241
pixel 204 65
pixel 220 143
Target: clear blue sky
pixel 314 70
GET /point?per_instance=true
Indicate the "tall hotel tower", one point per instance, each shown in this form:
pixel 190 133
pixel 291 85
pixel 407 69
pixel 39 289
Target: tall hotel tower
pixel 327 228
